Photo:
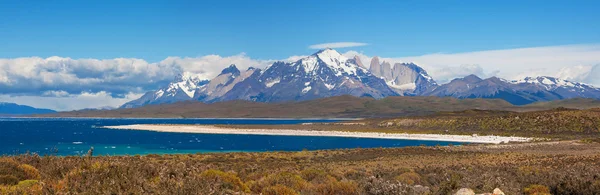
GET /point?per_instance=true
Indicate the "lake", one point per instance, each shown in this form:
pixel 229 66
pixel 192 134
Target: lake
pixel 75 136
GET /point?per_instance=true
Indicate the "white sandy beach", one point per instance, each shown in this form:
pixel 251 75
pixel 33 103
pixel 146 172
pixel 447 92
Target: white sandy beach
pixel 206 129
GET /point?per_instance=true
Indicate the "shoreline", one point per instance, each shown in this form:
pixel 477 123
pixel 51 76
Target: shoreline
pixel 209 129
pixel 149 118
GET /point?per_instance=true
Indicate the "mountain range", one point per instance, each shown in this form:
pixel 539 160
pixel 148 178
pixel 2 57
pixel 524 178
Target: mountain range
pixel 327 73
pixel 16 109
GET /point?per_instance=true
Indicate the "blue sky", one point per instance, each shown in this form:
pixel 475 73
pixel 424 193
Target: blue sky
pixel 153 30
pixel 76 54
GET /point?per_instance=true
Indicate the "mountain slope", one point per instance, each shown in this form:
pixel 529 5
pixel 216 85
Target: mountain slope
pixel 222 84
pixel 16 109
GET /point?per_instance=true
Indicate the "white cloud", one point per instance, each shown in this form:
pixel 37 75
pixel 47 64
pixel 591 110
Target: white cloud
pixel 34 75
pixel 210 66
pixel 65 83
pixel 572 62
pixel 71 102
pixel 336 45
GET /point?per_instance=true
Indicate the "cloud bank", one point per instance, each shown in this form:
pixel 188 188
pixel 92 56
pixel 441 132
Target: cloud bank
pixel 112 81
pixel 572 62
pixel 336 45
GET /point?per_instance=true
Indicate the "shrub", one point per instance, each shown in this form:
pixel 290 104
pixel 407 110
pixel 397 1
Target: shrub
pixel 312 174
pixel 11 167
pixel 334 187
pixel 225 180
pixel 278 190
pixel 287 179
pixel 409 178
pixel 28 183
pixel 30 172
pixel 535 189
pixel 23 187
pixel 8 180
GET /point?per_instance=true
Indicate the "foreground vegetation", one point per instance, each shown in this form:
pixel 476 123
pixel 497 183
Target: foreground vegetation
pixel 550 167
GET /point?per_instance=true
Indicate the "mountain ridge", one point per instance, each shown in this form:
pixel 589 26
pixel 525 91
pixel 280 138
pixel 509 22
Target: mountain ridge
pixel 327 73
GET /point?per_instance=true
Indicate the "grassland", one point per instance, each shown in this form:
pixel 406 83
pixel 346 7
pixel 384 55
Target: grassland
pixel 568 167
pixel 559 123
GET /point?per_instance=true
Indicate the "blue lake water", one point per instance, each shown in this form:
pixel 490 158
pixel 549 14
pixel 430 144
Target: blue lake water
pixel 68 136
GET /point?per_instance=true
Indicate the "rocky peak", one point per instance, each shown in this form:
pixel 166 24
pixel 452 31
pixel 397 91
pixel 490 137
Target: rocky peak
pixel 471 79
pixel 375 66
pixel 358 61
pixel 232 69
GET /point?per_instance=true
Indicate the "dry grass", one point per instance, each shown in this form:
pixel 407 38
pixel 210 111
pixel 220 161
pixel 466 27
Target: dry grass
pixel 561 167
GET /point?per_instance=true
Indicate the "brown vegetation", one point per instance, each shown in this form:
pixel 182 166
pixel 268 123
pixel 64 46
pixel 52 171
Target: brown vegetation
pixel 340 106
pixel 558 122
pixel 532 168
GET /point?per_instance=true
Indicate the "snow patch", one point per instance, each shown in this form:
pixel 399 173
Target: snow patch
pixel 407 86
pixel 329 86
pixel 306 89
pixel 159 94
pixel 273 82
pixel 338 63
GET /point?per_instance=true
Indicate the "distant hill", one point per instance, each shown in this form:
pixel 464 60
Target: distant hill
pixel 339 106
pixel 575 103
pixel 16 109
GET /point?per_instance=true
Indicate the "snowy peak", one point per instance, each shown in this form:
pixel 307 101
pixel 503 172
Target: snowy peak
pixel 330 55
pixel 186 83
pixel 331 59
pixel 183 87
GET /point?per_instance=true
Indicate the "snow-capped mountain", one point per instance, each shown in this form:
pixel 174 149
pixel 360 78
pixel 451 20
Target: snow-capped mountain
pixel 566 89
pixel 182 88
pixel 327 73
pixel 519 92
pixel 404 78
pixel 324 74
